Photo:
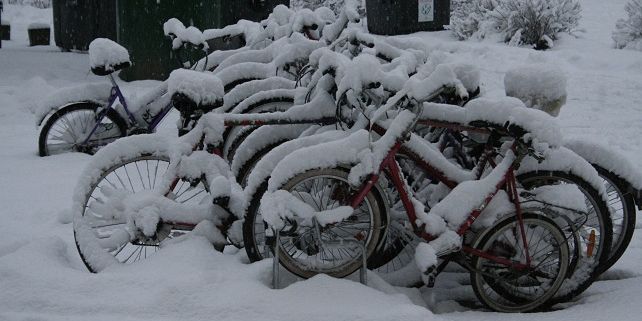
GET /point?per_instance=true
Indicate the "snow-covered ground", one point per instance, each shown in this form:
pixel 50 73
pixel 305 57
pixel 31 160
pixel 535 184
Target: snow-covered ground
pixel 42 278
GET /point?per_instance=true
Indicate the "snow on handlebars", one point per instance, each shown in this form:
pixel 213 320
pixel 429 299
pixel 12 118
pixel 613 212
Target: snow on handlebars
pixel 180 34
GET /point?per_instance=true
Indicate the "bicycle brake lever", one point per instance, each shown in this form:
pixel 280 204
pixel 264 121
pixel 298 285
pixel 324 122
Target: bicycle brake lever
pixel 539 156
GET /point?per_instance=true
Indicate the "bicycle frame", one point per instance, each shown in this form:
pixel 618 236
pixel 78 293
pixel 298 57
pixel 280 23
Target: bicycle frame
pixel 390 168
pixel 117 94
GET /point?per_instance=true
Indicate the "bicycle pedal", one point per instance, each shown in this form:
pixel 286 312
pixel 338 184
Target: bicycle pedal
pixel 222 201
pixel 429 276
pixel 430 281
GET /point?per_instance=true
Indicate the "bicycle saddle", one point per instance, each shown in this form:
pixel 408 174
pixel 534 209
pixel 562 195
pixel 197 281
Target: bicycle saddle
pixel 187 105
pixel 106 57
pixel 104 70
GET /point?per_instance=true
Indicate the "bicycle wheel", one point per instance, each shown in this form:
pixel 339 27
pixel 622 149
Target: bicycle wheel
pixel 309 250
pixel 133 174
pixel 257 244
pixel 67 129
pixel 622 205
pixel 595 234
pixel 246 168
pixel 236 135
pixel 508 289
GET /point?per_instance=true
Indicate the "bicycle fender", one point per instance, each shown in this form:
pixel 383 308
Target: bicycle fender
pixel 612 161
pixel 97 94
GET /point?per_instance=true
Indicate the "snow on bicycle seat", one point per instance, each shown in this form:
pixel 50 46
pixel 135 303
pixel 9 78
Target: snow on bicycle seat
pixel 106 57
pixel 512 115
pixel 191 89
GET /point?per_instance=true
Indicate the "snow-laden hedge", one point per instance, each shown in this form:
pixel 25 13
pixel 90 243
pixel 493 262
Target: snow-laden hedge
pixel 628 32
pixel 471 18
pixel 518 22
pixel 334 5
pixel 34 3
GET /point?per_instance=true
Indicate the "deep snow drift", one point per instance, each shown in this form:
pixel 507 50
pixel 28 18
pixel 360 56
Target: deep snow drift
pixel 42 278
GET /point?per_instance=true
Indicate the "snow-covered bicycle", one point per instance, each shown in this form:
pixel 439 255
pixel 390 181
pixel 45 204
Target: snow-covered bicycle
pixel 152 154
pixel 138 165
pixel 86 118
pixel 314 201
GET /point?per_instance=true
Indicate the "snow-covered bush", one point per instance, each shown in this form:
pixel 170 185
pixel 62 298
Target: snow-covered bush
pixel 34 3
pixel 527 22
pixel 628 32
pixel 470 18
pixel 531 21
pixel 334 5
pixel 539 86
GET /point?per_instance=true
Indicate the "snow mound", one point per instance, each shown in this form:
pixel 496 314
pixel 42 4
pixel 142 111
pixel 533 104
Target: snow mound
pixel 175 28
pixel 97 93
pixel 282 205
pixel 203 88
pixel 107 53
pixel 540 86
pixel 607 158
pixel 38 25
pixel 196 277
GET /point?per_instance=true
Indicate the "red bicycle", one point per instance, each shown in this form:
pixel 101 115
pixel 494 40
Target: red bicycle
pixel 516 265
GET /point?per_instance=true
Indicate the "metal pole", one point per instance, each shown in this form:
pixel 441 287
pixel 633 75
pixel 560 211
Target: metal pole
pixel 363 273
pixel 275 261
pixel 1 9
pixel 117 23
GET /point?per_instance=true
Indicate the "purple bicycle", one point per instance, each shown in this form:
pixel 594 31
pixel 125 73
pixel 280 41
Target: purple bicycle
pixel 83 119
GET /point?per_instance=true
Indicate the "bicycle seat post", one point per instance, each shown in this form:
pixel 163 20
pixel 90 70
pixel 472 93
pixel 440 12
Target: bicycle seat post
pixel 113 81
pixel 116 93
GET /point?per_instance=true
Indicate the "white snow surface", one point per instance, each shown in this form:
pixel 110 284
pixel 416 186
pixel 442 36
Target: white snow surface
pixel 470 195
pixel 608 158
pixel 190 281
pixel 38 25
pixel 247 89
pixel 265 166
pixel 344 151
pixel 276 207
pixel 250 30
pixel 263 137
pixel 93 92
pixel 507 110
pixel 443 75
pixel 266 97
pixel 174 27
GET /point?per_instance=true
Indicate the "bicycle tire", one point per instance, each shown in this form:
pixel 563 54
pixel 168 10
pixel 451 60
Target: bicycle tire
pixel 307 245
pixel 481 282
pixel 235 136
pixel 254 228
pixel 622 204
pixel 246 168
pixel 182 192
pixel 62 123
pixel 590 266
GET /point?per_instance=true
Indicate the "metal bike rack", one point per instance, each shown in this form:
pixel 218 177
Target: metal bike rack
pixel 363 271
